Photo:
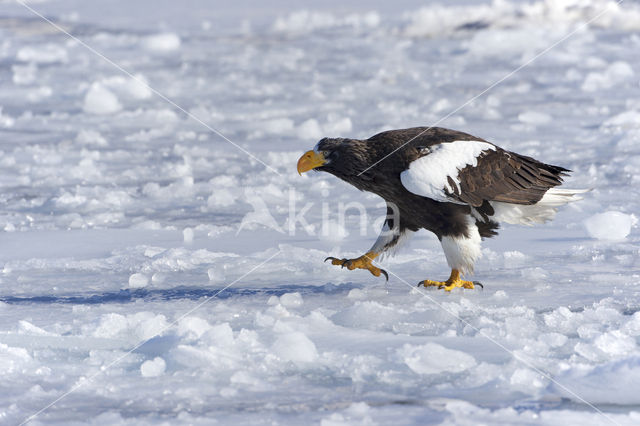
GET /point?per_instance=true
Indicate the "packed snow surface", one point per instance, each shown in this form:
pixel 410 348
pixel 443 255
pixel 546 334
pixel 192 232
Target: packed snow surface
pixel 153 271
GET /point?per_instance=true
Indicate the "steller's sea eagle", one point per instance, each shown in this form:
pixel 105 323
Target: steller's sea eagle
pixel 453 184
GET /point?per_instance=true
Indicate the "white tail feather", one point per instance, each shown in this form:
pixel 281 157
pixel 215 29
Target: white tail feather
pixel 540 212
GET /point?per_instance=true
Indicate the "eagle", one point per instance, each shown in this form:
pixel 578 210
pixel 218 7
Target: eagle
pixel 458 186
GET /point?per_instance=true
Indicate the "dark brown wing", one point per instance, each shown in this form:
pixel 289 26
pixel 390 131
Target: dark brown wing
pixel 505 176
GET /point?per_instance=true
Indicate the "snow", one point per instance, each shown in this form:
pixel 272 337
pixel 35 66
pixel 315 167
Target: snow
pixel 151 272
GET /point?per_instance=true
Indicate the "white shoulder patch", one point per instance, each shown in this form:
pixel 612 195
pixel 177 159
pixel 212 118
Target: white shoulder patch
pixel 428 176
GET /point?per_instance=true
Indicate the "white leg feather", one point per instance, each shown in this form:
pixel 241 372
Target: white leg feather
pixel 462 252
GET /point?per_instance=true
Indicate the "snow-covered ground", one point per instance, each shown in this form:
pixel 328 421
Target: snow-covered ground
pixel 154 272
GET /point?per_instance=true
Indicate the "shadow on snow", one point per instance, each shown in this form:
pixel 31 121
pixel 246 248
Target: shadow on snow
pixel 126 296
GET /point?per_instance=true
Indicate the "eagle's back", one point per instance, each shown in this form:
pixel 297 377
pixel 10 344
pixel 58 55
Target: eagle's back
pixel 457 171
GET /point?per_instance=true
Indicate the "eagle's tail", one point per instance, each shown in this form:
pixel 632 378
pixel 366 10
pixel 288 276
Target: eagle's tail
pixel 540 212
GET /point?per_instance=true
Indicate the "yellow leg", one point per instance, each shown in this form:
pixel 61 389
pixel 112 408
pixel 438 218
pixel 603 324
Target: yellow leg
pixel 362 262
pixel 452 282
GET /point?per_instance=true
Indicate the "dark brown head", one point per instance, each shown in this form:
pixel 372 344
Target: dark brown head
pixel 344 158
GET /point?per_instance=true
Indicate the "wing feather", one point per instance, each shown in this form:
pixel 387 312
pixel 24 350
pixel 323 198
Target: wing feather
pixel 472 172
pixel 502 175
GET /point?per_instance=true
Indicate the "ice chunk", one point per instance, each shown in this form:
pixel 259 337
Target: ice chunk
pixel 291 300
pixel 273 300
pixel 514 258
pixel 43 54
pixel 135 87
pixel 305 21
pixel 13 359
pixel 227 392
pixel 437 20
pixel 610 383
pixel 24 74
pixel 610 225
pixel 554 340
pixel 6 120
pixel 278 126
pixel 527 381
pixel 216 275
pixel 367 314
pixel 534 274
pixel 194 327
pixel 165 42
pixel 221 197
pixel 187 235
pixel 100 100
pixel 141 325
pixel 153 368
pixel 615 343
pixel 616 73
pixel 295 347
pixel 138 280
pixel 90 137
pixel 358 413
pixel 243 377
pixel 625 120
pixel 534 117
pixel 434 359
pixel 356 294
pixel 38 94
pixel 25 327
pixel 632 327
pixel 338 126
pixel 221 335
pixel 509 42
pixel 158 278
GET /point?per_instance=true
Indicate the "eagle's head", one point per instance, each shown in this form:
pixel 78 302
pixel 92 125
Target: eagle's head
pixel 340 157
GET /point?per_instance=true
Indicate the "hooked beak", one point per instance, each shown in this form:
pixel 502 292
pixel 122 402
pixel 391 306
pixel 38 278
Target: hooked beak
pixel 310 160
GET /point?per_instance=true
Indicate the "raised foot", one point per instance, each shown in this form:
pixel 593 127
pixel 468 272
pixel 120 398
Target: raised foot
pixel 362 262
pixel 454 281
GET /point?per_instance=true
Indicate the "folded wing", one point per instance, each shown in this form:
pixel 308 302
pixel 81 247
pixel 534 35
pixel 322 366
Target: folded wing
pixel 472 172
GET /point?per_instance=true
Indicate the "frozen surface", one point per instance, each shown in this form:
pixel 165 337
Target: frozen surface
pixel 161 274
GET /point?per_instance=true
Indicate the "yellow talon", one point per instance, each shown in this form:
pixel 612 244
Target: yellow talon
pixel 452 282
pixel 362 262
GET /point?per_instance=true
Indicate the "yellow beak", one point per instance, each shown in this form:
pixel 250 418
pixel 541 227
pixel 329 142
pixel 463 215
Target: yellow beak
pixel 310 160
